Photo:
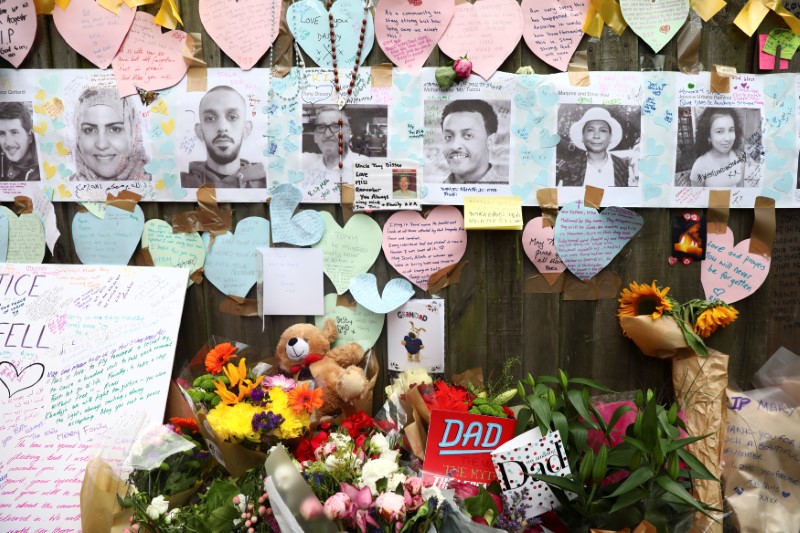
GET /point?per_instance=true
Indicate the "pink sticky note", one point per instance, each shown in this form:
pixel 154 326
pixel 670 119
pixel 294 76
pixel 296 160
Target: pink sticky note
pixel 486 31
pixel 765 60
pixel 417 247
pixel 148 58
pixel 408 31
pixel 244 29
pixel 93 31
pixel 553 29
pixel 730 273
pixel 540 247
pixel 17 30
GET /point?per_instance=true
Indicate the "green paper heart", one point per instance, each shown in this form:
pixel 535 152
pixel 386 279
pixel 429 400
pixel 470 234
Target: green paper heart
pixel 26 242
pixel 181 250
pixel 361 326
pixel 348 251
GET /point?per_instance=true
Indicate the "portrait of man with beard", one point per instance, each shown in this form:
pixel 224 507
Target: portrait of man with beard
pixel 222 127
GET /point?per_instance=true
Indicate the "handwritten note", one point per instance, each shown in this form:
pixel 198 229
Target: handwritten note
pixel 587 241
pixel 354 324
pixel 87 346
pixel 553 29
pixel 655 21
pixel 408 32
pixel 43 207
pixel 417 247
pixel 493 212
pixel 232 261
pixel 302 229
pixel 765 60
pixel 386 184
pixel 93 31
pixel 26 243
pixel 348 251
pixel 730 273
pixel 179 250
pixel 290 282
pixel 539 243
pixel 396 292
pixel 17 30
pixel 110 240
pixel 244 29
pixel 788 41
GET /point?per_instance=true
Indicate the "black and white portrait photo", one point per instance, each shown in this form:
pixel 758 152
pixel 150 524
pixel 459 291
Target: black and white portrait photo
pixel 467 141
pixel 18 156
pixel 599 145
pixel 718 147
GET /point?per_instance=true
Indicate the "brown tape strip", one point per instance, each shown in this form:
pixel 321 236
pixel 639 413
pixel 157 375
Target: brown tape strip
pixel 192 50
pixel 343 300
pixel 282 47
pixel 721 78
pixel 23 205
pixel 208 217
pixel 689 45
pixel 593 196
pixel 763 234
pixel 348 197
pixel 604 286
pixel 143 257
pixel 197 80
pixel 548 202
pixel 473 376
pixel 197 276
pixel 449 275
pixel 578 69
pixel 540 283
pixel 125 200
pixel 233 305
pixel 381 76
pixel 719 206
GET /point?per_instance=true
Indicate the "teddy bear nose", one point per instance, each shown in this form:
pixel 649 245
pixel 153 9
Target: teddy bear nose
pixel 292 341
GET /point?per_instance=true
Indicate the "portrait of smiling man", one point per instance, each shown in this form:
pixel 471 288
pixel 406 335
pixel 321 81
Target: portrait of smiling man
pixel 469 133
pixel 18 160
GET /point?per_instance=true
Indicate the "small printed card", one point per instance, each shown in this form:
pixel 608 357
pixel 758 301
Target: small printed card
pixel 381 184
pixel 416 336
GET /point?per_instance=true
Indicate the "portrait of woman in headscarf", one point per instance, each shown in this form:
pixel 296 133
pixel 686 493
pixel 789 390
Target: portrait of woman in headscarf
pixel 108 140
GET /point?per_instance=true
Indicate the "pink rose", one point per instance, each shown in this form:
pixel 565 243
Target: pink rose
pixel 463 68
pixel 391 506
pixel 311 508
pixel 464 490
pixel 413 485
pixel 338 506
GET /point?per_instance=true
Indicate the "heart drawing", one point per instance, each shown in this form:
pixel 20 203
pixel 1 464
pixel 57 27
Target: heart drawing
pixel 19 380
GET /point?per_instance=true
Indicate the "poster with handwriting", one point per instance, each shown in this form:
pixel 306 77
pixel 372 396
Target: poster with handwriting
pixel 416 336
pixel 81 347
pixel 389 184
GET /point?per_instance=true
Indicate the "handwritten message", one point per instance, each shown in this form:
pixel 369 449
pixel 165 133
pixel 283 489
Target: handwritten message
pixel 240 28
pixel 232 261
pixel 290 281
pixel 417 247
pixel 26 242
pixel 354 323
pixel 348 251
pixel 788 41
pixel 93 31
pixel 17 29
pixel 539 243
pixel 179 250
pixel 553 29
pixel 655 21
pixel 386 184
pixel 730 273
pixel 493 212
pixel 407 32
pixel 110 240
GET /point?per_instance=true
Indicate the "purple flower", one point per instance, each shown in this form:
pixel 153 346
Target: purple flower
pixel 266 421
pixel 259 396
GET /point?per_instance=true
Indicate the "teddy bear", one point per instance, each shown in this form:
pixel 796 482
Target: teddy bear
pixel 305 351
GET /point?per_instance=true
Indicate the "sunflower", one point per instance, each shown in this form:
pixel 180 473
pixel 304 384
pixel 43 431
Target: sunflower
pixel 713 318
pixel 301 398
pixel 642 299
pixel 218 356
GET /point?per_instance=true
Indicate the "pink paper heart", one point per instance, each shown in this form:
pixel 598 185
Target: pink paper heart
pixel 730 273
pixel 93 31
pixel 540 247
pixel 417 247
pixel 148 58
pixel 409 43
pixel 486 32
pixel 18 28
pixel 244 29
pixel 553 29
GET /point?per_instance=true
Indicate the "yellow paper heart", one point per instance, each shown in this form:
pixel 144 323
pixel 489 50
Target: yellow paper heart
pixel 160 108
pixel 53 107
pixel 62 150
pixel 63 192
pixel 168 126
pixel 49 170
pixel 40 128
pixel 160 185
pixel 39 109
pixel 40 95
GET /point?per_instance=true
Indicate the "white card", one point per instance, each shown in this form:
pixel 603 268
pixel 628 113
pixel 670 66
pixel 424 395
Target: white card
pixel 290 282
pixel 416 336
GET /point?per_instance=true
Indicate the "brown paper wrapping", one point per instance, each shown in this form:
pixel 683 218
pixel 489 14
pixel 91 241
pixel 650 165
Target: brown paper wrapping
pixel 719 207
pixel 661 338
pixel 23 205
pixel 700 384
pixel 603 286
pixel 549 283
pixel 207 217
pixel 348 197
pixel 283 57
pixel 688 40
pixel 235 458
pixel 416 435
pixel 365 402
pixel 472 376
pixel 125 200
pixel 548 203
pixel 415 401
pixel 197 80
pixel 192 50
pixel 449 275
pixel 721 78
pixel 643 527
pixel 100 511
pixel 762 235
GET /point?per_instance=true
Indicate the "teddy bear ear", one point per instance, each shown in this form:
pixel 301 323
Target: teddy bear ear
pixel 329 330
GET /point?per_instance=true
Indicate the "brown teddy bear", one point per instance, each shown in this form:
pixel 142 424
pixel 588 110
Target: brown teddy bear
pixel 305 352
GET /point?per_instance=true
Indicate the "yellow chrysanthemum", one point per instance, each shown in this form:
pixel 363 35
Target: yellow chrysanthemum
pixel 234 423
pixel 294 423
pixel 713 318
pixel 642 299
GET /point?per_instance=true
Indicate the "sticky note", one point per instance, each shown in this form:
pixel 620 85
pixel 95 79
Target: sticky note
pixel 492 212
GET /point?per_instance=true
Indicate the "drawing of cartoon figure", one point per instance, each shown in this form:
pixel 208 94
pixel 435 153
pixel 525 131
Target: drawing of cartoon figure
pixel 413 343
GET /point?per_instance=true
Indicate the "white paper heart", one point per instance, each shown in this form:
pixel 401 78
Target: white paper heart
pixel 655 21
pixel 240 27
pixel 93 31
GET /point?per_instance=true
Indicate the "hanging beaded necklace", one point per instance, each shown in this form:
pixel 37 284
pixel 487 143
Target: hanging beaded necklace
pixel 300 64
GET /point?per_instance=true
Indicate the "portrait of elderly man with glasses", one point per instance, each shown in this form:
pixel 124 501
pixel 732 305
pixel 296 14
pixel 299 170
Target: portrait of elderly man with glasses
pixel 323 158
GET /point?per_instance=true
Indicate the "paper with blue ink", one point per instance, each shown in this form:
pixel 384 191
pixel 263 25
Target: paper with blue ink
pixel 290 282
pixel 305 228
pixel 349 251
pixel 308 22
pixel 179 250
pixel 110 240
pixel 354 323
pixel 26 241
pixel 364 289
pixel 232 260
pixel 3 237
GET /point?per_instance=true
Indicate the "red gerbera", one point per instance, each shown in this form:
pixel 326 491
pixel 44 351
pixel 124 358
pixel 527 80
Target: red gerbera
pixel 356 423
pixel 218 356
pixel 306 447
pixel 186 424
pixel 451 397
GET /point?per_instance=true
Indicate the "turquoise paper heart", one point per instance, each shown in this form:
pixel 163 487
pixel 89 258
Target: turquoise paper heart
pixel 231 263
pixel 349 251
pixel 308 22
pixel 110 240
pixel 364 289
pixel 179 250
pixel 361 326
pixel 49 84
pixel 3 237
pixel 522 190
pixel 775 162
pixel 653 148
pixel 303 229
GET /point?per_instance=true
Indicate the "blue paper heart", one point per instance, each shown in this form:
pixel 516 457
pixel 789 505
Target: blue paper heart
pixel 652 148
pixel 784 183
pixel 171 182
pixel 275 131
pixel 271 149
pixel 410 101
pixel 775 162
pixel 785 141
pixel 776 87
pixel 155 166
pixel 110 240
pixel 522 132
pixel 403 113
pixel 526 102
pixel 541 178
pixel 167 147
pixel 651 191
pixel 276 165
pixel 46 147
pixel 547 97
pixel 294 128
pixel 401 79
pixel 528 81
pixel 665 121
pixel 232 262
pixel 64 171
pixel 289 147
pixel 364 289
pixel 308 22
pixel 296 176
pixel 303 229
pixel 49 84
pixel 547 139
pixel 662 176
pixel 57 124
pixel 522 190
pixel 3 237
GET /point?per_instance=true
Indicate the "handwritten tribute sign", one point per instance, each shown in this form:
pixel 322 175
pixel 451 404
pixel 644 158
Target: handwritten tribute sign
pixel 730 273
pixel 385 184
pixel 17 29
pixel 417 247
pixel 348 251
pixel 93 31
pixel 25 237
pixel 241 28
pixel 407 32
pixel 655 21
pixel 81 348
pixel 553 29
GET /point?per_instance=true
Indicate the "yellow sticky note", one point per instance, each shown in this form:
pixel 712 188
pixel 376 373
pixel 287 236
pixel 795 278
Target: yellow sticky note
pixel 492 212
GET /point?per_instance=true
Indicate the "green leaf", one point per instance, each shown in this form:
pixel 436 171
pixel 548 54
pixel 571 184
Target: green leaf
pixel 699 470
pixel 561 425
pixel 576 400
pixel 564 483
pixel 600 464
pixel 675 488
pixel 585 470
pixel 542 411
pixel 580 437
pixel 636 443
pixel 619 412
pixel 523 417
pixel 635 480
pixel 547 379
pixel 626 500
pixel 598 418
pixel 620 456
pixel 680 443
pixel 381 484
pixel 591 383
pixel 650 424
pixel 478 505
pixel 562 378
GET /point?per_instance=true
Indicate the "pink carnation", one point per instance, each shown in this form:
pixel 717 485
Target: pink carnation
pixel 338 506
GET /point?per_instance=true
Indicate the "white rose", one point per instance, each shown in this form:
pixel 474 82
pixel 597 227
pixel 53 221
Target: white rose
pixel 171 515
pixel 335 460
pixel 379 444
pixel 394 480
pixel 340 440
pixel 376 469
pixel 157 507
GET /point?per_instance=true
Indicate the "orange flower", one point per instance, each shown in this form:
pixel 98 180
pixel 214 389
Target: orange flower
pixel 187 424
pixel 301 398
pixel 218 356
pixel 642 299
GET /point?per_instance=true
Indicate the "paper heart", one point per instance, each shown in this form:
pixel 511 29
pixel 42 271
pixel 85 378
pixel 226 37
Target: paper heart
pixel 63 192
pixel 655 21
pixel 40 128
pixel 364 289
pixel 354 325
pixel 180 250
pixel 93 31
pixel 3 237
pixel 19 32
pixel 110 240
pixel 19 380
pixel 539 245
pixel 409 42
pixel 244 29
pixel 168 126
pixel 26 243
pixel 587 241
pixel 62 150
pixel 417 247
pixel 160 107
pixel 39 95
pixel 348 251
pixel 303 229
pixel 148 58
pixel 486 32
pixel 730 273
pixel 553 29
pixel 308 22
pixel 51 108
pixel 231 263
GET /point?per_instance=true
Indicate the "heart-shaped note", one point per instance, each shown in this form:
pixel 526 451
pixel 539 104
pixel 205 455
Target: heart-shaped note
pixel 553 29
pixel 93 31
pixel 350 251
pixel 417 247
pixel 244 29
pixel 3 237
pixel 110 240
pixel 655 21
pixel 354 325
pixel 19 380
pixel 587 241
pixel 364 289
pixel 486 32
pixel 303 229
pixel 730 273
pixel 540 247
pixel 180 250
pixel 148 58
pixel 231 263
pixel 408 31
pixel 18 28
pixel 26 242
pixel 308 22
